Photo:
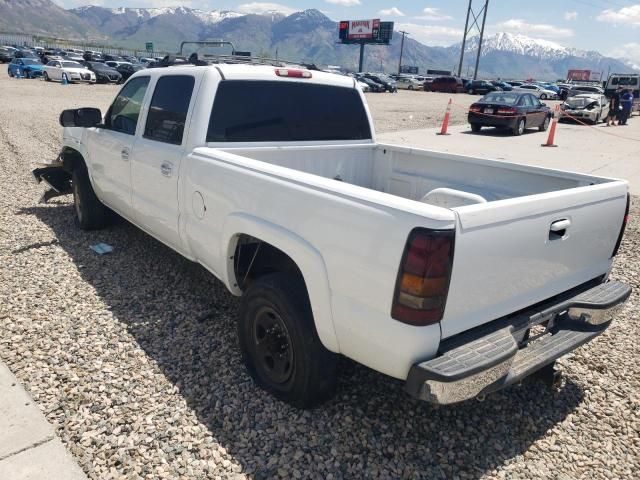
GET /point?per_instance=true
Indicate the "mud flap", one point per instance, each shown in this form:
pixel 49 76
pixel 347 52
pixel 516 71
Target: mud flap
pixel 56 178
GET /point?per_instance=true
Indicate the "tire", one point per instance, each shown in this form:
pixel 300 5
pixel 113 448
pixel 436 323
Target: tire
pixel 543 96
pixel 279 343
pixel 45 75
pixel 545 124
pixel 597 120
pixel 90 213
pixel 410 87
pixel 519 128
pixel 10 73
pixel 471 91
pixel 475 128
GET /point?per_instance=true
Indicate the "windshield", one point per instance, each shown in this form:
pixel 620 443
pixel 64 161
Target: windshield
pixel 28 61
pixel 624 81
pixel 500 97
pixel 71 65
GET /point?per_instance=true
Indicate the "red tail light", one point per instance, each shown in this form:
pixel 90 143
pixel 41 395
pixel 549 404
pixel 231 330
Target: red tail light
pixel 293 73
pixel 423 279
pixel 474 108
pixel 507 110
pixel 625 220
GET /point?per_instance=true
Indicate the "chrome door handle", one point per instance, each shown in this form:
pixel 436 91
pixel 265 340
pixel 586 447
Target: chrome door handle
pixel 125 154
pixel 166 168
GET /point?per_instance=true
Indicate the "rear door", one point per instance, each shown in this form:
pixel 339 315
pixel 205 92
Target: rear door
pixel 158 154
pixel 513 253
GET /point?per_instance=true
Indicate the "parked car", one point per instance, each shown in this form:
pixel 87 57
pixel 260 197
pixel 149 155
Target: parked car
pixel 515 111
pixel 592 107
pixel 25 67
pixel 443 264
pixel 407 83
pixel 67 71
pixel 514 83
pixel 503 85
pixel 445 84
pixel 481 87
pixel 363 86
pixel 373 86
pixel 581 89
pixel 390 84
pixel 24 54
pixel 125 69
pixel 6 55
pixel 537 90
pixel 104 73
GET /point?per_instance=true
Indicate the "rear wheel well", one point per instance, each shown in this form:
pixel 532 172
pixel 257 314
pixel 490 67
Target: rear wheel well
pixel 254 258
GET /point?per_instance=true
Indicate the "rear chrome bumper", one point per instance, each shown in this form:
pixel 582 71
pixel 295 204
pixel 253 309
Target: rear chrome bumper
pixel 502 353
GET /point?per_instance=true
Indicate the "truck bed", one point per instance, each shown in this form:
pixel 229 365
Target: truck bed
pixel 412 174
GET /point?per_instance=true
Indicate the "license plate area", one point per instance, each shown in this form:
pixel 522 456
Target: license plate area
pixel 488 110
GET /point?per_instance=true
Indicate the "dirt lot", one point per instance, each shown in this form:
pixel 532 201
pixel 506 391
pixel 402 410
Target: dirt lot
pixel 133 357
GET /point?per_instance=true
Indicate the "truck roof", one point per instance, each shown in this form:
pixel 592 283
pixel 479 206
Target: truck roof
pixel 257 72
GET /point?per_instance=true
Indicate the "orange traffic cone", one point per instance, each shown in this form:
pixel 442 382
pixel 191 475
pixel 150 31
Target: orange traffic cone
pixel 552 130
pixel 445 122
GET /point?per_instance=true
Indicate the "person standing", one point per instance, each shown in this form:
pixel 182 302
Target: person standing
pixel 614 105
pixel 626 101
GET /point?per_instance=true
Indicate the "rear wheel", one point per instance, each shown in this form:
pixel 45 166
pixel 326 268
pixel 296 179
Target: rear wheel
pixel 45 75
pixel 279 343
pixel 519 128
pixel 91 214
pixel 475 128
pixel 545 125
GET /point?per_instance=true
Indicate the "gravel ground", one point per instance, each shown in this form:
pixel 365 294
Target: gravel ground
pixel 133 358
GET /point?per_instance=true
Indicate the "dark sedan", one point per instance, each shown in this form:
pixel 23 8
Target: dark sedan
pixel 515 111
pixel 481 87
pixel 104 74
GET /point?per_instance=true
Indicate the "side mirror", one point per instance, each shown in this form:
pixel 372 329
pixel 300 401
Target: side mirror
pixel 81 117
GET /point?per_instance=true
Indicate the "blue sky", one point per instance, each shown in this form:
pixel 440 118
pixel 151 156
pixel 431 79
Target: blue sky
pixel 611 27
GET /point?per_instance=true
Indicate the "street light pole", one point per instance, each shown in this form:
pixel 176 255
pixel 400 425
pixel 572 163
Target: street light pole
pixel 401 50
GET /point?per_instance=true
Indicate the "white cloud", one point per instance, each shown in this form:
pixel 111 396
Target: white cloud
pixel 537 30
pixel 626 15
pixel 629 52
pixel 432 34
pixel 344 3
pixel 391 12
pixel 430 13
pixel 570 15
pixel 259 8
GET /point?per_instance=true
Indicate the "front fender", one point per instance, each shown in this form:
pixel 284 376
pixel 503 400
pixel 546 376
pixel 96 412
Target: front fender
pixel 307 258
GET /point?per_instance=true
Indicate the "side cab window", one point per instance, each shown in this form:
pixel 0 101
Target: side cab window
pixel 123 114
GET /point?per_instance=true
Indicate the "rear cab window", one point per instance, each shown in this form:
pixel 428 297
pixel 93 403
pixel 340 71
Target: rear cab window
pixel 279 111
pixel 168 109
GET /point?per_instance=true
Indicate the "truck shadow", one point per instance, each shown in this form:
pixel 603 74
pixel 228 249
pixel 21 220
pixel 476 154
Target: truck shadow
pixel 183 319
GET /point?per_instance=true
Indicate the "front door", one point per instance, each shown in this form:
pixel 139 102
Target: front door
pixel 111 147
pixel 157 157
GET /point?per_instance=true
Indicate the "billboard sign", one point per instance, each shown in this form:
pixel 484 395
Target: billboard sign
pixel 367 31
pixel 149 47
pixel 363 29
pixel 439 72
pixel 579 75
pixel 409 69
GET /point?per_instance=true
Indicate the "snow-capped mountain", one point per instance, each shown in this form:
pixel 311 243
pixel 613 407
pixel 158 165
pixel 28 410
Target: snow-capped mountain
pixel 527 46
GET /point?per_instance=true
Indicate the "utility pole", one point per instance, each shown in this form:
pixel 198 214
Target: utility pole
pixel 401 50
pixel 468 28
pixel 361 56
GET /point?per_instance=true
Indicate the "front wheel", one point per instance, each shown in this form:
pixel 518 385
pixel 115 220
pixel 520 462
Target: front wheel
pixel 519 128
pixel 10 72
pixel 545 125
pixel 46 77
pixel 543 96
pixel 91 214
pixel 410 87
pixel 279 343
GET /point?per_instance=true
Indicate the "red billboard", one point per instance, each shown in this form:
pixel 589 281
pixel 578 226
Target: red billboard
pixel 579 75
pixel 363 29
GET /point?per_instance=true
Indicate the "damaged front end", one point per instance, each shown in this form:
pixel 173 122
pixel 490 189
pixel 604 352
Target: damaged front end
pixel 55 177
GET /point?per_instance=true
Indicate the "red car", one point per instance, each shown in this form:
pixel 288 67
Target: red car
pixel 445 84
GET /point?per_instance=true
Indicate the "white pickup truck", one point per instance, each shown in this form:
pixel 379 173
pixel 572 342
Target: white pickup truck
pixel 432 268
